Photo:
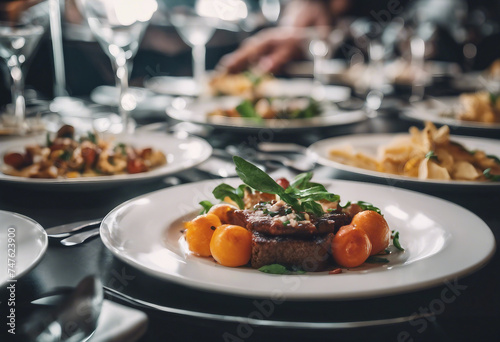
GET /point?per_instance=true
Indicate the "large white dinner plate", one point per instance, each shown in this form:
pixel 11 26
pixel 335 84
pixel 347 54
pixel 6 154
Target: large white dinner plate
pixel 439 245
pixel 369 143
pixel 196 112
pixel 442 111
pixel 23 243
pixel 182 153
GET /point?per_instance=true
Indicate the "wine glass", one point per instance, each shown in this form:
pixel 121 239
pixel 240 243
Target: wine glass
pixel 118 26
pixel 22 24
pixel 196 24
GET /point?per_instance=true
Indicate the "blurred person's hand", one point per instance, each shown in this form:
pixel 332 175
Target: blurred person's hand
pixel 270 49
pixel 267 51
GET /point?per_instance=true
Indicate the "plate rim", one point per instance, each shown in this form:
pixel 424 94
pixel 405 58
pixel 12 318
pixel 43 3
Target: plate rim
pixel 41 252
pixel 322 160
pixel 184 281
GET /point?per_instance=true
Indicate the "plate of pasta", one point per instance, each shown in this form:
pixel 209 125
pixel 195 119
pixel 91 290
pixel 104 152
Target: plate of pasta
pixel 88 161
pixel 478 110
pixel 424 157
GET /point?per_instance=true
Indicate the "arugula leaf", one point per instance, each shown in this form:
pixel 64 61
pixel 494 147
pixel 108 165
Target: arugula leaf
pixel 240 191
pixel 316 193
pixel 257 179
pixel 274 269
pixel 224 190
pixel 206 207
pixel 488 175
pixel 280 269
pixel 368 206
pixel 396 243
pixel 311 206
pixel 301 180
pixel 247 110
pixel 301 189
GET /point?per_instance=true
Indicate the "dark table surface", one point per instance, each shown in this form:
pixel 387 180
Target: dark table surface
pixel 472 315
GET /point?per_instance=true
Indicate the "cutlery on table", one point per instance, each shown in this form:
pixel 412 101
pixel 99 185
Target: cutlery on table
pixel 67 229
pixel 79 238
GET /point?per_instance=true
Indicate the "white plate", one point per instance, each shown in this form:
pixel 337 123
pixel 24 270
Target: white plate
pixel 369 143
pixel 196 112
pixel 145 232
pixel 296 87
pixel 441 110
pixel 146 99
pixel 23 243
pixel 182 153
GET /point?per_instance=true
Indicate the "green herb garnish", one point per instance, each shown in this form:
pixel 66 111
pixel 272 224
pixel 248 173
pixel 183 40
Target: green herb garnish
pixel 92 137
pixel 247 110
pixel 493 98
pixel 122 148
pixel 301 195
pixel 367 206
pixel 488 175
pixel 206 207
pixel 47 139
pixel 495 158
pixel 395 241
pixel 280 269
pixel 66 155
pixel 376 260
pixel 431 155
pixel 224 190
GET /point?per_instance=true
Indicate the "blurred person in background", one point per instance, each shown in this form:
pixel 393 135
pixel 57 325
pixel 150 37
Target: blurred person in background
pixel 457 30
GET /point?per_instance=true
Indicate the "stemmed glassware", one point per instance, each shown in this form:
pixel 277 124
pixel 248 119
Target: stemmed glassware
pixel 22 24
pixel 196 24
pixel 119 26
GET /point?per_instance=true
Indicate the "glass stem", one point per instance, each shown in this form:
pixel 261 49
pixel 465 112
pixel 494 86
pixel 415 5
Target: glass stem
pixel 199 54
pixel 122 73
pixel 57 48
pixel 17 89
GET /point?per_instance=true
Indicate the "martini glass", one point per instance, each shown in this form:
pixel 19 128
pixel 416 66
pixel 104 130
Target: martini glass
pixel 118 26
pixel 22 24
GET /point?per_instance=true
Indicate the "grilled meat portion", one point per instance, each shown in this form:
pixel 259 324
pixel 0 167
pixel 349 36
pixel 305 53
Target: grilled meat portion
pixel 278 219
pixel 308 254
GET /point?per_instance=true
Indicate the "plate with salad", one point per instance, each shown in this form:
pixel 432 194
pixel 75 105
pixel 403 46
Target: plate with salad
pixel 277 113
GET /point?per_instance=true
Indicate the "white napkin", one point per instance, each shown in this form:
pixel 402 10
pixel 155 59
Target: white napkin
pixel 119 323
